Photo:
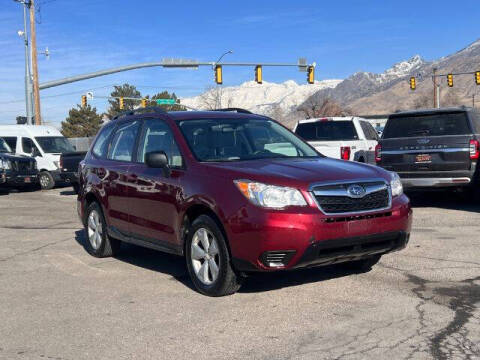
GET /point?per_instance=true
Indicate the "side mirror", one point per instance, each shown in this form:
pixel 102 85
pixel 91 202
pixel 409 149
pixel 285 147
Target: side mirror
pixel 157 160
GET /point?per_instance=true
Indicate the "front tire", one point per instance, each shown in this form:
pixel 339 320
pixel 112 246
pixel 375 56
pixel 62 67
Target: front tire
pixel 98 243
pixel 46 180
pixel 208 259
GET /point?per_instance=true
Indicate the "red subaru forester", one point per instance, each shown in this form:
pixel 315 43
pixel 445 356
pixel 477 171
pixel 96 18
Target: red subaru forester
pixel 234 193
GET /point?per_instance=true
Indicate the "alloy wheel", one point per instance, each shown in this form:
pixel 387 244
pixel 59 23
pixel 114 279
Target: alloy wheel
pixel 95 230
pixel 205 256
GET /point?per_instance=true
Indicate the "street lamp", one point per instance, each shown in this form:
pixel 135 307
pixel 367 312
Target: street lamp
pixel 28 79
pixel 221 57
pixel 218 101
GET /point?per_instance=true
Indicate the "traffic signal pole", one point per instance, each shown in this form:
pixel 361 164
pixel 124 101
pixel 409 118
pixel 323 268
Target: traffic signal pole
pixel 166 64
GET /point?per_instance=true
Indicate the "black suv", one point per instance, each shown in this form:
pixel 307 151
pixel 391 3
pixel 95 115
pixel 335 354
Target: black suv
pixel 16 171
pixel 432 148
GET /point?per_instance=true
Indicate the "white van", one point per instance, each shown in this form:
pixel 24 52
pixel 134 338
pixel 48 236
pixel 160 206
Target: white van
pixel 44 143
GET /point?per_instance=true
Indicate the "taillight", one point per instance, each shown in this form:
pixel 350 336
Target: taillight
pixel 474 149
pixel 61 163
pixel 345 152
pixel 378 153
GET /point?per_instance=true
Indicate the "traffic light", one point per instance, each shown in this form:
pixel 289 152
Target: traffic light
pixel 218 74
pixel 477 77
pixel 413 83
pixel 450 80
pixel 310 74
pixel 121 103
pixel 84 100
pixel 144 103
pixel 258 74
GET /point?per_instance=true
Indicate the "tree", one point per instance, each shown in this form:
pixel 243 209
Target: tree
pixel 213 98
pixel 125 90
pixel 313 108
pixel 165 95
pixel 81 122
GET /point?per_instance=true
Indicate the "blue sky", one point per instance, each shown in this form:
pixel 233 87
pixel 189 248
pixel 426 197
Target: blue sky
pixel 342 37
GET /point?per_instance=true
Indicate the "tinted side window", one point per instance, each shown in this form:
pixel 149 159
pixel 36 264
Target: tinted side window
pixel 101 145
pixel 157 136
pixel 28 146
pixel 123 142
pixel 12 142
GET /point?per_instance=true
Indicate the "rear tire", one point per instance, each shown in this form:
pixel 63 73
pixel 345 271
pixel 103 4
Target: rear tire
pixel 46 180
pixel 363 265
pixel 98 243
pixel 208 259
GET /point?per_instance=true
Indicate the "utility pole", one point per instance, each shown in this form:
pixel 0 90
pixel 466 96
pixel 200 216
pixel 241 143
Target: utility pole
pixel 434 87
pixel 33 45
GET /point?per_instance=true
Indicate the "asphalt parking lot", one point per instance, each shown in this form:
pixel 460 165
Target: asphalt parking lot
pixel 58 302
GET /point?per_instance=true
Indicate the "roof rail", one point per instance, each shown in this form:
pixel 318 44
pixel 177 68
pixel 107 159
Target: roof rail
pixel 238 110
pixel 148 109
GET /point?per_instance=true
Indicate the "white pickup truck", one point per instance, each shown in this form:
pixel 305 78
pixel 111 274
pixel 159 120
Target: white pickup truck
pixel 346 138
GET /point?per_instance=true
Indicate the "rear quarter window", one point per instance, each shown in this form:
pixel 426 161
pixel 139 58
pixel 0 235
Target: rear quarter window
pixel 100 148
pixel 427 125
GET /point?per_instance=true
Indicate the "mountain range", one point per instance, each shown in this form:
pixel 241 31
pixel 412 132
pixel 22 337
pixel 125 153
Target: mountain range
pixel 362 93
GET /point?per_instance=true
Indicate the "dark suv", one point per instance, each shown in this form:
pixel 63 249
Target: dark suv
pixel 15 170
pixel 433 148
pixel 234 193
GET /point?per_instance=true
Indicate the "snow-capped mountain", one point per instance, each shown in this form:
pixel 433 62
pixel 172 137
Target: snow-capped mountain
pixel 260 98
pixel 370 93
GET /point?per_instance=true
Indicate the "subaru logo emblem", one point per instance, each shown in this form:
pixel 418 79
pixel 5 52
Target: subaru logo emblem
pixel 356 191
pixel 423 141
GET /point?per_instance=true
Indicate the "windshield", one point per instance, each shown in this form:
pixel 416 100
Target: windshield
pixel 242 139
pixel 427 125
pixel 327 131
pixel 55 144
pixel 4 148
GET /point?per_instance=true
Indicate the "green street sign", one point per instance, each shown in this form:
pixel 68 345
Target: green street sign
pixel 165 101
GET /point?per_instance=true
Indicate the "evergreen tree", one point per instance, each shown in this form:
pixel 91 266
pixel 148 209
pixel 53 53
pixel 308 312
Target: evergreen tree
pixel 126 90
pixel 81 122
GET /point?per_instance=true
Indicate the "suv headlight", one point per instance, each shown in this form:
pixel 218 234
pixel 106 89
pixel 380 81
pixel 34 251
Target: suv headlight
pixel 270 196
pixel 4 164
pixel 396 185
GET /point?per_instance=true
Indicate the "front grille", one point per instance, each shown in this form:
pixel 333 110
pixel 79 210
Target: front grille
pixel 22 166
pixel 336 198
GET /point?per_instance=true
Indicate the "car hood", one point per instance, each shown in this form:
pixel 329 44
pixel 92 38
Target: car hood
pixel 14 157
pixel 297 172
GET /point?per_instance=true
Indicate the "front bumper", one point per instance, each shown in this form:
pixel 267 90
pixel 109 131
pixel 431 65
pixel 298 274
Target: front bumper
pixel 20 180
pixel 310 238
